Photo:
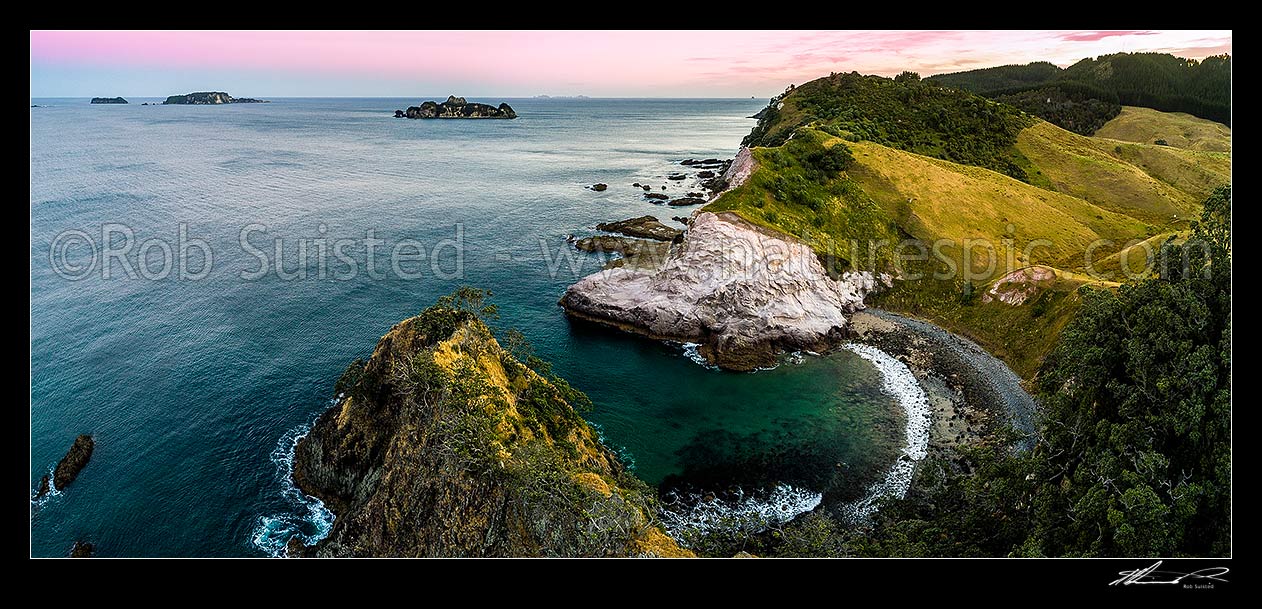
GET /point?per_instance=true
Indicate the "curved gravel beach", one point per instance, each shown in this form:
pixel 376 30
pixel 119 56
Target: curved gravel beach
pixel 976 393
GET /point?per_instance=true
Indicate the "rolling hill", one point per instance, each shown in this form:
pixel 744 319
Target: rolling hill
pixel 847 161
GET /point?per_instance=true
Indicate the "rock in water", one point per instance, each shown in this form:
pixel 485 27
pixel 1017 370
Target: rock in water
pixel 445 445
pixel 75 460
pixel 744 292
pixel 82 549
pixel 108 100
pixel 685 201
pixel 646 227
pixel 636 253
pixel 43 487
pixel 657 196
pixel 598 187
pixel 457 107
pixel 210 98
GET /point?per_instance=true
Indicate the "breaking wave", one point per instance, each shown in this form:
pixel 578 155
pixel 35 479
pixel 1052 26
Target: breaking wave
pixel 691 515
pixel 897 381
pixel 310 521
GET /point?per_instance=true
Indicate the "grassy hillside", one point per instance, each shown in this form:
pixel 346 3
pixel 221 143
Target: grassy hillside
pixel 843 176
pixel 1082 167
pixel 903 113
pixel 1177 129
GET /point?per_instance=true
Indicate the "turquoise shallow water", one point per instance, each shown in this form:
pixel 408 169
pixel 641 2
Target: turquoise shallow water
pixel 189 384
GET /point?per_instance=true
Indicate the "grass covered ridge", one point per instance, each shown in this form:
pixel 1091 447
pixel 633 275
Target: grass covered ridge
pixel 1176 129
pixel 853 165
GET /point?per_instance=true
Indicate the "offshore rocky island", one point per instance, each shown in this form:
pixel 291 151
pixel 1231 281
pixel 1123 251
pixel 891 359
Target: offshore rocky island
pixel 209 98
pixel 456 107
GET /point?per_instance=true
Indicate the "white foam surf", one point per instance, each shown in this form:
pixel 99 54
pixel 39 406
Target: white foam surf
pixel 310 522
pixel 37 501
pixel 898 382
pixel 696 515
pixel 692 351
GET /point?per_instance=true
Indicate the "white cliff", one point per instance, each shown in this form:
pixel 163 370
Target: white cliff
pixel 745 293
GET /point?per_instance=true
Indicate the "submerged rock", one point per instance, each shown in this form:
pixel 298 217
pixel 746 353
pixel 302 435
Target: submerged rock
pixel 75 460
pixel 677 176
pixel 43 488
pixel 82 549
pixel 743 292
pixel 646 227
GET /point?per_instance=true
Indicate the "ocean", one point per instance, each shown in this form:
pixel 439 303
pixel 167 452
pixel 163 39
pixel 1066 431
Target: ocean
pixel 194 372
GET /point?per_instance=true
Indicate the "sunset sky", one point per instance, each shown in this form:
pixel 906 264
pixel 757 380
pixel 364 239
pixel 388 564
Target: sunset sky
pixel 520 64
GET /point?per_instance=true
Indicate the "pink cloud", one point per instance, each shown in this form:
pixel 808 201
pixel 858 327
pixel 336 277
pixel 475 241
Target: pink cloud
pixel 1094 36
pixel 610 63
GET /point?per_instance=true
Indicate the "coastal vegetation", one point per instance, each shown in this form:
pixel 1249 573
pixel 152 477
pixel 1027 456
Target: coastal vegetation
pixel 1134 450
pixel 1091 92
pixel 1128 349
pixel 1022 191
pixel 445 443
pixel 904 113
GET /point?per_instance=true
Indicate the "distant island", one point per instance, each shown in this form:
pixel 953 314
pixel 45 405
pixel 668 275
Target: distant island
pixel 562 97
pixel 210 98
pixel 456 107
pixel 108 100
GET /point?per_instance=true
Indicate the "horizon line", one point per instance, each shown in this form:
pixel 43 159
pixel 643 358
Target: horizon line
pixel 541 96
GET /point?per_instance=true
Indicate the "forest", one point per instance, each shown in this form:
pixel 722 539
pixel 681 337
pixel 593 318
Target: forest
pixel 1084 93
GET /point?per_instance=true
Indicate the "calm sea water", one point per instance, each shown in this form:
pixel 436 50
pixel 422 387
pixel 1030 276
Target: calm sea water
pixel 188 384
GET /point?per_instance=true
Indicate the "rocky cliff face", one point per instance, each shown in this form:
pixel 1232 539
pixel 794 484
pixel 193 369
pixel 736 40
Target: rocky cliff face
pixel 456 107
pixel 443 444
pixel 210 98
pixel 743 292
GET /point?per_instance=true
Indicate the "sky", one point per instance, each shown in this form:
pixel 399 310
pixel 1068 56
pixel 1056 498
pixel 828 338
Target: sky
pixel 524 64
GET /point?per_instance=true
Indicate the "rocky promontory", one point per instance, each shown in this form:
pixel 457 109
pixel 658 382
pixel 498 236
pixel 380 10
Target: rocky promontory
pixel 456 107
pixel 108 100
pixel 743 292
pixel 210 98
pixel 444 444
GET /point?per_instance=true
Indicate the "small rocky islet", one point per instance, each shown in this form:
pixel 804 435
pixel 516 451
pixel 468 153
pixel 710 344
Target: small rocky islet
pixel 68 468
pixel 457 107
pixel 209 98
pixel 108 100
